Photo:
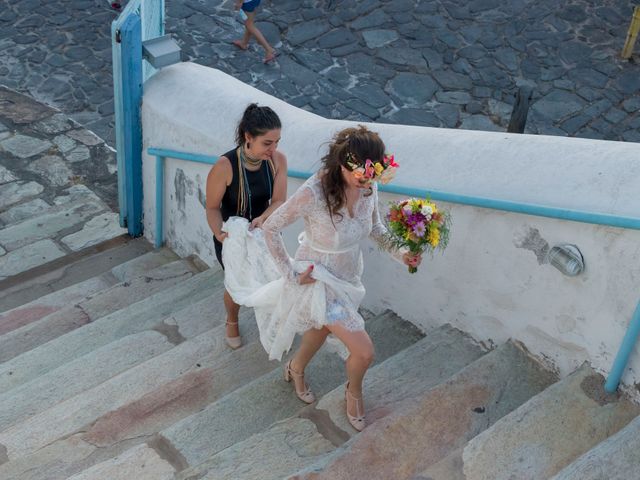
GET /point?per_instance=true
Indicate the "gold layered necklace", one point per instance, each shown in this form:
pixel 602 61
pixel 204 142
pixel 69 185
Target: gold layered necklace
pixel 252 163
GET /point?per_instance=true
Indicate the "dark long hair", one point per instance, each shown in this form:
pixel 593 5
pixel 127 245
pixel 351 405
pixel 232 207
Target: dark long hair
pixel 362 144
pixel 256 121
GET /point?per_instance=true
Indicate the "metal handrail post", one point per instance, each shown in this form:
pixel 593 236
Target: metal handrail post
pixel 626 348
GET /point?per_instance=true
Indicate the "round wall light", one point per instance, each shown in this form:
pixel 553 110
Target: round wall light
pixel 567 258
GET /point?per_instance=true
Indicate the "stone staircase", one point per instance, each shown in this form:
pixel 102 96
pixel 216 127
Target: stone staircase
pixel 113 366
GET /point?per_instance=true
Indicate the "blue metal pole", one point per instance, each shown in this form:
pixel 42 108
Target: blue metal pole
pixel 159 201
pixel 626 348
pixel 131 51
pixel 192 157
pixel 526 208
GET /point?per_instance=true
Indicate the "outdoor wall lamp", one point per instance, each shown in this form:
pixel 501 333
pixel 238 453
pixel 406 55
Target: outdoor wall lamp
pixel 567 258
pixel 161 51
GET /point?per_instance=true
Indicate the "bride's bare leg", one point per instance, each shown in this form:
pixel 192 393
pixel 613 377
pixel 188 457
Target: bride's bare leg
pixel 361 355
pixel 312 340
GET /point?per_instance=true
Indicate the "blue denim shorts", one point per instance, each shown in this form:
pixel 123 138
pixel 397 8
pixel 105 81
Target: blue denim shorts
pixel 250 6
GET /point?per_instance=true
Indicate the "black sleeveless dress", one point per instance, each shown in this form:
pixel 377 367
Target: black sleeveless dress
pixel 259 188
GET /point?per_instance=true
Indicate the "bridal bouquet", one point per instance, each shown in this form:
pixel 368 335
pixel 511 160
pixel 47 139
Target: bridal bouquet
pixel 417 225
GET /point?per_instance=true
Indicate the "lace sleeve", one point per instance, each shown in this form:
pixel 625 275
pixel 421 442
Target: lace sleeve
pixel 293 209
pixel 379 232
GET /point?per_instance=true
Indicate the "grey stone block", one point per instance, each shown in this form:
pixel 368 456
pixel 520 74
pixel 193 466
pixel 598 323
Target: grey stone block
pixel 14 192
pixel 568 418
pixel 25 258
pixel 24 146
pixel 413 88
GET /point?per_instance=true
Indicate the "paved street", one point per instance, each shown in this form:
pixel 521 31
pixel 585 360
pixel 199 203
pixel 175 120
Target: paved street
pixel 438 63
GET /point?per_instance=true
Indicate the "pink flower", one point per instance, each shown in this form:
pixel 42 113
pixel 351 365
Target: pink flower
pixel 369 171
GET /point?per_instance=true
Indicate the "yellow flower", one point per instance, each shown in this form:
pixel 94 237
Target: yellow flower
pixel 434 237
pixel 378 168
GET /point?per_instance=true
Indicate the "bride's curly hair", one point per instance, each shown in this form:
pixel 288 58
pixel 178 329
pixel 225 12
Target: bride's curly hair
pixel 357 143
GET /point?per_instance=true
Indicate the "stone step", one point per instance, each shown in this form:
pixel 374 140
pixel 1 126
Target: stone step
pixel 54 301
pixel 324 427
pixel 98 305
pixel 99 365
pixel 73 454
pixel 144 315
pixel 404 375
pixel 286 447
pixel 139 463
pixel 41 307
pixel 269 399
pixel 69 270
pixel 423 431
pixel 99 410
pixel 616 458
pixel 79 375
pixel 550 431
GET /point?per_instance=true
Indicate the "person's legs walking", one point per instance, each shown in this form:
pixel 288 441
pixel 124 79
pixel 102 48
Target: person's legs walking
pixel 361 354
pixel 251 28
pixel 311 342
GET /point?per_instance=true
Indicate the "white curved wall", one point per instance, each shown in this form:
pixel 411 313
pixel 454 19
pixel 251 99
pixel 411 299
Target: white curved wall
pixel 488 282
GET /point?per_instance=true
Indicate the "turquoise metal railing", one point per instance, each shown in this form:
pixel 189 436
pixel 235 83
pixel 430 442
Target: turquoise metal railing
pixel 633 331
pixel 626 348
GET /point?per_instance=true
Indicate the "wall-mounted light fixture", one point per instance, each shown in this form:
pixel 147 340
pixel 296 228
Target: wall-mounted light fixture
pixel 161 51
pixel 567 258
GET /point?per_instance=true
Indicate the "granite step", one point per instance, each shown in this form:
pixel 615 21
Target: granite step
pixel 286 447
pixel 206 356
pixel 444 352
pixel 139 463
pixel 144 315
pixel 423 431
pixel 550 431
pixel 135 416
pixel 73 454
pixel 99 365
pixel 616 458
pixel 321 428
pixel 39 308
pixel 94 307
pixel 269 399
pixel 54 301
pixel 69 270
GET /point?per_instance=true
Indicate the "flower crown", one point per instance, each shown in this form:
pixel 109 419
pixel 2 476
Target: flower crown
pixel 382 172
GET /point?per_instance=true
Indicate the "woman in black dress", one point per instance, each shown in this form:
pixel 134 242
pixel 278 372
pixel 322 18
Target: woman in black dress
pixel 249 181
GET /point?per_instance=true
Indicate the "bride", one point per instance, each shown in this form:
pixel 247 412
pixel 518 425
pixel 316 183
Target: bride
pixel 319 291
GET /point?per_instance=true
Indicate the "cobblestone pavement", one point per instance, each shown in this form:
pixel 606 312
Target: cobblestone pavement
pixel 57 185
pixel 440 63
pixel 41 146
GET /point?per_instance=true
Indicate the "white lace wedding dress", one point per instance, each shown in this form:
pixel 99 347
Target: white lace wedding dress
pixel 260 274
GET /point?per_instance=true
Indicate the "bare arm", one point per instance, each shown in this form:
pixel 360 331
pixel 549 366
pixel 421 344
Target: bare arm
pixel 218 180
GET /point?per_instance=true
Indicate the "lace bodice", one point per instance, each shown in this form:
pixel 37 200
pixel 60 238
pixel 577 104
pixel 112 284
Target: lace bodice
pixel 335 244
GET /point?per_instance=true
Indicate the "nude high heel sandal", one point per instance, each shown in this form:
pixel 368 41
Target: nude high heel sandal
pixel 233 342
pixel 306 395
pixel 358 421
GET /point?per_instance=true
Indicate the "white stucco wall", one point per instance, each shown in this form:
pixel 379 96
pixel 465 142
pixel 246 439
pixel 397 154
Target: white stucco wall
pixel 486 282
